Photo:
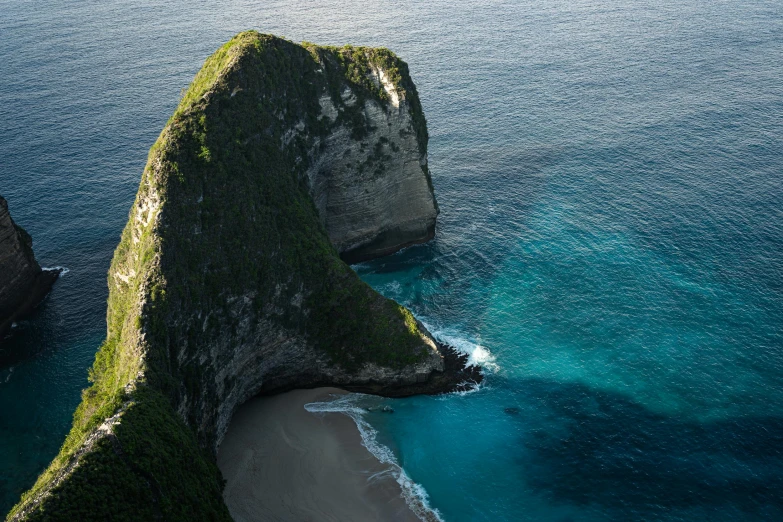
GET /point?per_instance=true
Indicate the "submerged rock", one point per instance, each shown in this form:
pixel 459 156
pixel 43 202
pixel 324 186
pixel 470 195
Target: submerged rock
pixel 228 280
pixel 22 281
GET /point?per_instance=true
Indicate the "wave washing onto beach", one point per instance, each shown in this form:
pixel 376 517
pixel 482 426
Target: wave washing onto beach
pixel 414 494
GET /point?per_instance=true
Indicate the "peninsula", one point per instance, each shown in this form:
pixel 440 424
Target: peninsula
pixel 281 162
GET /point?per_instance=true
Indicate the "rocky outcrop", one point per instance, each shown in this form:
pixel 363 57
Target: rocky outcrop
pixel 22 282
pixel 225 283
pixel 374 194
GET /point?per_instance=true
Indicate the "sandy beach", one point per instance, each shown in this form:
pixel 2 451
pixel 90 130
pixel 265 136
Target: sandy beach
pixel 284 463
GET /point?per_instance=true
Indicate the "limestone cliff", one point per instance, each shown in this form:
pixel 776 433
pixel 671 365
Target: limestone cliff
pixel 371 184
pixel 225 283
pixel 22 282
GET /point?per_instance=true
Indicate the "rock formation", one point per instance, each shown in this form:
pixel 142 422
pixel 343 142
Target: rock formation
pixel 371 184
pixel 225 283
pixel 22 282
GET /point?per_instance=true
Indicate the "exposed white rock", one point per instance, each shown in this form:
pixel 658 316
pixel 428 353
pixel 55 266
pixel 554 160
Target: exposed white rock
pixel 374 195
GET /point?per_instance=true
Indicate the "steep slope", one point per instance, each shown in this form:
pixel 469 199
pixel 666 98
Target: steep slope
pixel 370 181
pixel 22 282
pixel 225 283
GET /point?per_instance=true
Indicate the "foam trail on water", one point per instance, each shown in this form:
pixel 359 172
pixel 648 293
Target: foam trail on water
pixel 63 270
pixel 414 494
pixel 393 288
pixel 466 388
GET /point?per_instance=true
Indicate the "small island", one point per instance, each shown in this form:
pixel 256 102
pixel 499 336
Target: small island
pixel 281 163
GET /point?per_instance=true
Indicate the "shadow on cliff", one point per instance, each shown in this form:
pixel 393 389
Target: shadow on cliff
pixel 638 464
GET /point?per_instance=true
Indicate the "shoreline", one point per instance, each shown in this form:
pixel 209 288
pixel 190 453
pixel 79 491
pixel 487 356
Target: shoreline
pixel 282 462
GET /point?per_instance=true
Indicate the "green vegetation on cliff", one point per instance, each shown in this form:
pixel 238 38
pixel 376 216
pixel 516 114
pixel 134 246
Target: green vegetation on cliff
pixel 151 469
pixel 222 222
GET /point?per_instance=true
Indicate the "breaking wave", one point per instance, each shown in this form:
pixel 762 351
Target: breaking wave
pixel 414 494
pixel 477 354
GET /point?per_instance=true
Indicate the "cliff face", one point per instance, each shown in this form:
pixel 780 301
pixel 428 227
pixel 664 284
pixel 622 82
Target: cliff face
pixel 371 185
pixel 22 282
pixel 226 284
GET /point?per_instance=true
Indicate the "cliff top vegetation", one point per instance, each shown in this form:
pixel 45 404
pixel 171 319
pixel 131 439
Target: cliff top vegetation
pixel 222 222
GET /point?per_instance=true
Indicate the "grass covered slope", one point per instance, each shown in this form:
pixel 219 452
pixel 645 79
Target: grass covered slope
pixel 225 284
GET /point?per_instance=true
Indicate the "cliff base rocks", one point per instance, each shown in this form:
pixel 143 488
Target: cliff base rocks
pixel 23 284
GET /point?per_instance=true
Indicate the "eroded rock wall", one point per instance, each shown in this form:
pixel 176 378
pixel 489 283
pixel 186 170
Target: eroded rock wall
pixel 374 192
pixel 22 282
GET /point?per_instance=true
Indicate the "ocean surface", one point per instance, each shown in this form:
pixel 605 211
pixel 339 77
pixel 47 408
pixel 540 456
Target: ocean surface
pixel 609 248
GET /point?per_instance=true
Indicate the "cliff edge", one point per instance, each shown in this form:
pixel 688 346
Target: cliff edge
pixel 22 282
pixel 228 280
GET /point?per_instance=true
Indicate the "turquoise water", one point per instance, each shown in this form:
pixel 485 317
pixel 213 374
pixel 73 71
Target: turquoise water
pixel 610 245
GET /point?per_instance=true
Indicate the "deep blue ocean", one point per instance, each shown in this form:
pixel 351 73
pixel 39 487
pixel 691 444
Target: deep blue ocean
pixel 610 243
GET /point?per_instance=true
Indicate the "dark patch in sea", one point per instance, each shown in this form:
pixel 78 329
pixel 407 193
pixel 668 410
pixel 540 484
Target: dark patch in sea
pixel 642 465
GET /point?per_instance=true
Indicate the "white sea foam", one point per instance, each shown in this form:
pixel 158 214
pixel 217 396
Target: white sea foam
pixel 414 494
pixel 467 388
pixel 477 354
pixel 393 288
pixel 63 270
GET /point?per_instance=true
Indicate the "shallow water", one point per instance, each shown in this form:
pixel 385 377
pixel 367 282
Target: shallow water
pixel 610 183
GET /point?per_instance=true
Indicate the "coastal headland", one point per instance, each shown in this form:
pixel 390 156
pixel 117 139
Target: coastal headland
pixel 281 162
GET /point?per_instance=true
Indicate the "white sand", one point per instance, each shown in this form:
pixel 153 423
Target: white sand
pixel 283 463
